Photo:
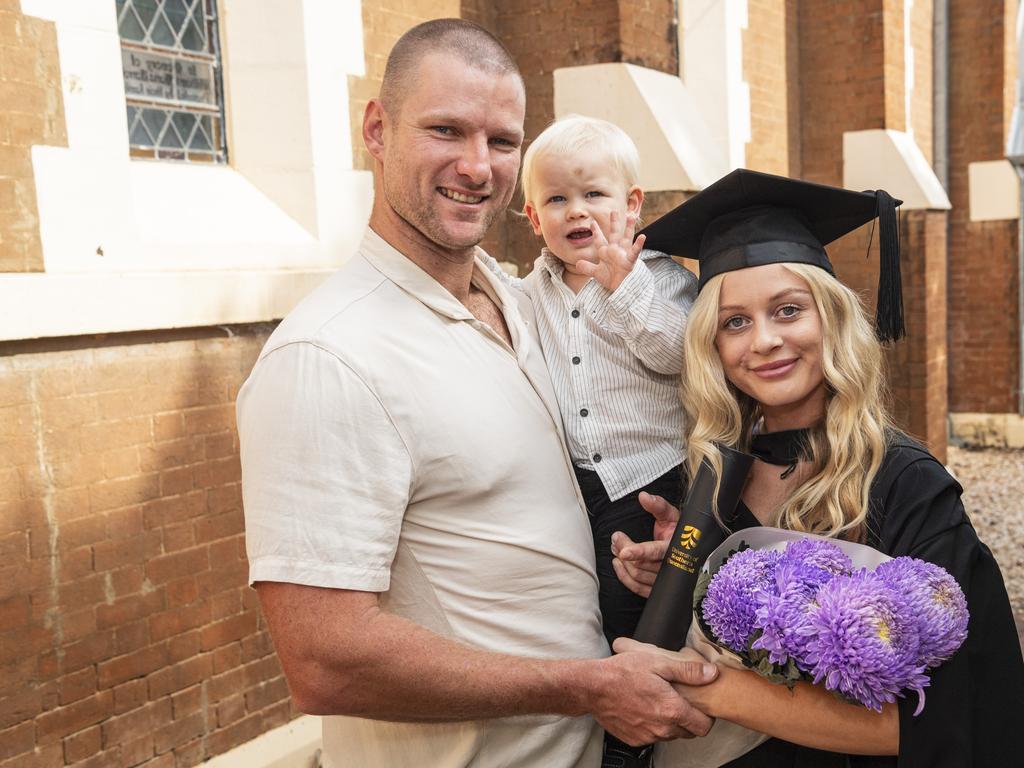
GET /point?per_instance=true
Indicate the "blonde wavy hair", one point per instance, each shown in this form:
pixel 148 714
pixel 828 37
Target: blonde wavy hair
pixel 846 449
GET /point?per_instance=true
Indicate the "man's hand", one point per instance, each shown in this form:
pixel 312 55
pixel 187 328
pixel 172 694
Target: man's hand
pixel 636 701
pixel 637 564
pixel 616 253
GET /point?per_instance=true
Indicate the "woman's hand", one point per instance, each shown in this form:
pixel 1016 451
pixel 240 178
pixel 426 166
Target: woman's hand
pixel 637 564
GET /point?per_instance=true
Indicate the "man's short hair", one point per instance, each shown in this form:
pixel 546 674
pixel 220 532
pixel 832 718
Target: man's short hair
pixel 578 136
pixel 470 42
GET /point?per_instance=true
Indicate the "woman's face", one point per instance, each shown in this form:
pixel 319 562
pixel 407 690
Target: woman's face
pixel 769 340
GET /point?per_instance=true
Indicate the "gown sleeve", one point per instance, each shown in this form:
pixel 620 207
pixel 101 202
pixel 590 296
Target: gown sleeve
pixel 974 708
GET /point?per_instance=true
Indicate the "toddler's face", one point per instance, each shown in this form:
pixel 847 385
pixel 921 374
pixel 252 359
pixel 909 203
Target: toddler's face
pixel 571 195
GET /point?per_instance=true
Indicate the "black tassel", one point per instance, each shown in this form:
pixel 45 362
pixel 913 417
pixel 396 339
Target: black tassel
pixel 889 306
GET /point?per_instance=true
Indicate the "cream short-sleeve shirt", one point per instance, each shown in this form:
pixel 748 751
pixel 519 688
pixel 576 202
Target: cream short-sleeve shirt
pixel 392 443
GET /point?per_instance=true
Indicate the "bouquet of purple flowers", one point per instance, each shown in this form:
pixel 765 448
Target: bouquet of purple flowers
pixel 805 611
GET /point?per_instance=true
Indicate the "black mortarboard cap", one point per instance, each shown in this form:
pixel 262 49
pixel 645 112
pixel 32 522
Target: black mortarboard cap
pixel 747 219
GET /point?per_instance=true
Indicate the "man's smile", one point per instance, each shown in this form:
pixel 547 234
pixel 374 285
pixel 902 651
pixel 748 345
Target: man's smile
pixel 458 197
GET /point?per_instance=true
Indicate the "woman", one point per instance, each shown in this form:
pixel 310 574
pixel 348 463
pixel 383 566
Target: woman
pixel 782 362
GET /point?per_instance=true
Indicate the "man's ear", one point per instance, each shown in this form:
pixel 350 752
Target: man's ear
pixel 533 216
pixel 374 119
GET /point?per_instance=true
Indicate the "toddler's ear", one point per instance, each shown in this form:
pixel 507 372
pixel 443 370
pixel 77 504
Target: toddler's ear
pixel 634 200
pixel 533 216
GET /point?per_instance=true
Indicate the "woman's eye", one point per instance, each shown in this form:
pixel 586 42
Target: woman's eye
pixel 789 310
pixel 734 323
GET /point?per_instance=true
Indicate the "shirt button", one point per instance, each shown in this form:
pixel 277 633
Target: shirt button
pixel 597 458
pixel 575 361
pixel 584 412
pixel 575 313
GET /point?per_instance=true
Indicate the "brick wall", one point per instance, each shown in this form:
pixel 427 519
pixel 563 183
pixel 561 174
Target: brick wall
pixel 127 633
pixel 774 117
pixel 384 21
pixel 983 289
pixel 917 364
pixel 32 113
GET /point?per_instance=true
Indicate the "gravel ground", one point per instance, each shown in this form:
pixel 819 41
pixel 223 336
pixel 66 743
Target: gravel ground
pixel 993 481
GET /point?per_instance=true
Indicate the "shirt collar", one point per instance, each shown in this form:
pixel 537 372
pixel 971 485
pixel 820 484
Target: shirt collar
pixel 400 270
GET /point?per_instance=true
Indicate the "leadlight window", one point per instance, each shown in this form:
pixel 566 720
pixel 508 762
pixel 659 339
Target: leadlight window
pixel 170 54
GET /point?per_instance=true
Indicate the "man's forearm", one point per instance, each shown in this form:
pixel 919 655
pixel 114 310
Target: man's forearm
pixel 354 659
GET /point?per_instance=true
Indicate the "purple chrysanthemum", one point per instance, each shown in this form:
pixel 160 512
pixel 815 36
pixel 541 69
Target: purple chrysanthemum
pixel 863 642
pixel 781 619
pixel 936 602
pixel 820 554
pixel 735 592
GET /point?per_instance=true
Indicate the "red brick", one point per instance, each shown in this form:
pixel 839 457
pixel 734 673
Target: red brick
pixel 228 684
pixel 130 608
pixel 82 744
pixel 192 753
pixel 22 705
pixel 131 637
pixel 17 740
pixel 14 612
pixel 210 419
pixel 178 676
pixel 184 646
pixel 137 750
pixel 238 733
pixel 77 685
pixel 129 726
pixel 111 554
pixel 187 702
pixel 256 646
pixel 179 536
pixel 130 695
pixel 160 570
pixel 223 632
pixel 124 523
pixel 125 492
pixel 163 511
pixel 266 694
pixel 43 756
pixel 171 453
pixel 132 665
pixel 219 445
pixel 178 620
pixel 88 651
pixel 231 710
pixel 182 592
pixel 52 726
pixel 227 657
pixel 178 732
pixel 220 526
pixel 226 603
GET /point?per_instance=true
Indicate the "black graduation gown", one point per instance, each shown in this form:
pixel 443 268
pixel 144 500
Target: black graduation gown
pixel 974 707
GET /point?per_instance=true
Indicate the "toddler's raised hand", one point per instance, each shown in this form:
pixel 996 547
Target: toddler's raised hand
pixel 616 253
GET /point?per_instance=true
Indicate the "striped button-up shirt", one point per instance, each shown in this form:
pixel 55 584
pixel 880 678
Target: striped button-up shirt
pixel 615 360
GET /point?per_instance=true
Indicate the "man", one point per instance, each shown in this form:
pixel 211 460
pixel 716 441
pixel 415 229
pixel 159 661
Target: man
pixel 417 542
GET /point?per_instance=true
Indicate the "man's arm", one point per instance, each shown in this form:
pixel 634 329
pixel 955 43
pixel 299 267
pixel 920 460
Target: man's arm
pixel 343 655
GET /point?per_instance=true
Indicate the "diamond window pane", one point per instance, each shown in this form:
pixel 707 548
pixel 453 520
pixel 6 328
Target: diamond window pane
pixel 173 90
pixel 193 39
pixel 161 32
pixel 129 26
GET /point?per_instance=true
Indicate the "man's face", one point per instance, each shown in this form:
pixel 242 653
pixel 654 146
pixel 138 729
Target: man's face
pixel 452 151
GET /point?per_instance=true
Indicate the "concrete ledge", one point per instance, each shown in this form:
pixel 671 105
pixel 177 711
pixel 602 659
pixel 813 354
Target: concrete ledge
pixel 677 150
pixel 994 191
pixel 891 160
pixel 995 430
pixel 294 745
pixel 47 305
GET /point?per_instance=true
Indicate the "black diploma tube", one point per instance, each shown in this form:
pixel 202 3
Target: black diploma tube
pixel 666 617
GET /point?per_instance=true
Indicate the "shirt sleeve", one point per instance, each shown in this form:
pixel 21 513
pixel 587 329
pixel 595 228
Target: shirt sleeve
pixel 648 311
pixel 326 475
pixel 974 706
